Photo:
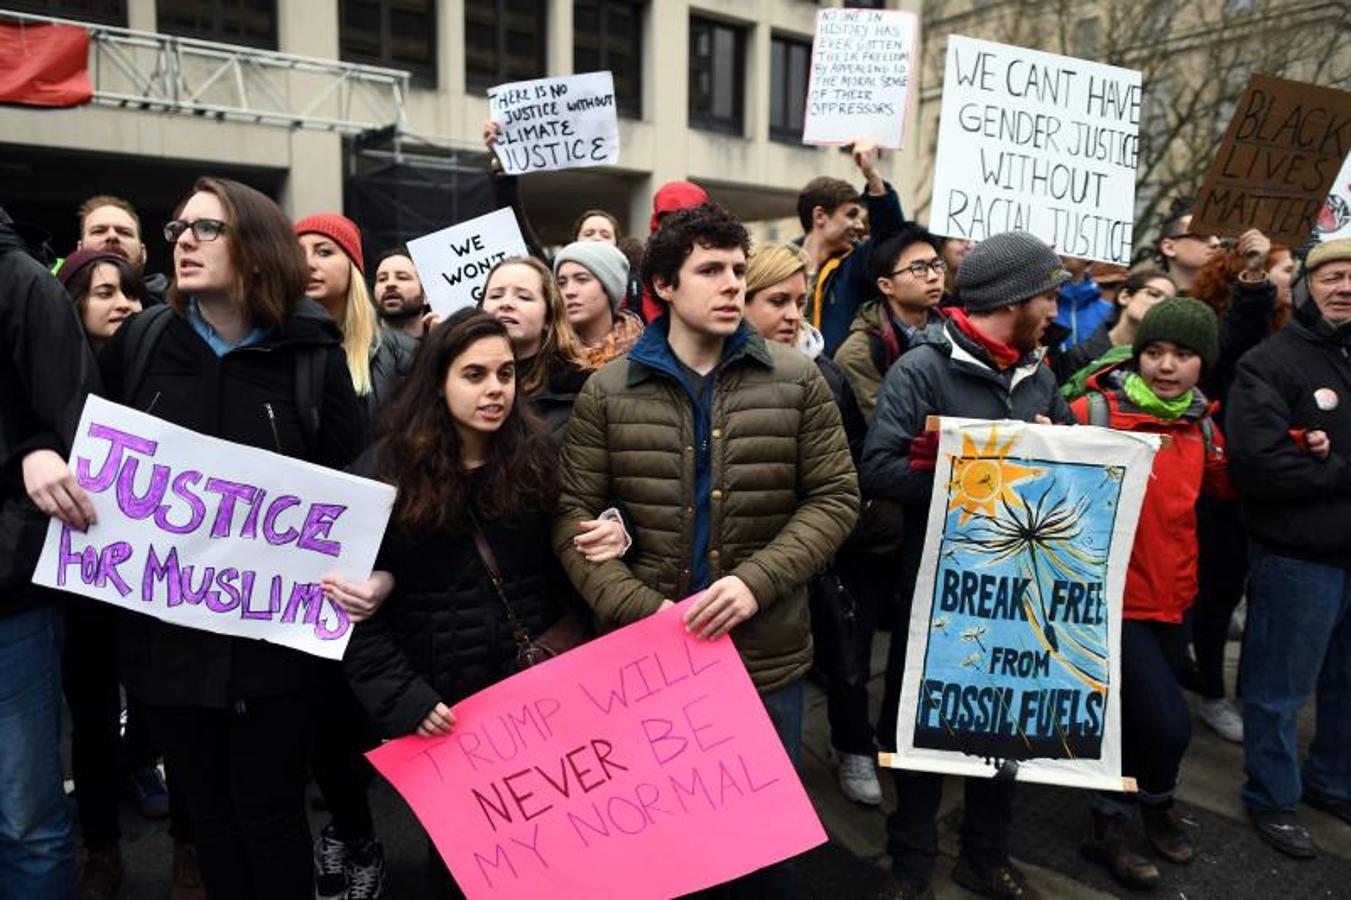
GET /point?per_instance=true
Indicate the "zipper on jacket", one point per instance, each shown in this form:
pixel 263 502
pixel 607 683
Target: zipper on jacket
pixel 272 423
pixel 153 400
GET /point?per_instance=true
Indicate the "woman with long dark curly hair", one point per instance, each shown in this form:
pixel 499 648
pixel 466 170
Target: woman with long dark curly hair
pixel 477 484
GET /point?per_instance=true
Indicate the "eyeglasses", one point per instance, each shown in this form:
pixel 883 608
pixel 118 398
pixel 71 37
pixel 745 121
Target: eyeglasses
pixel 202 229
pixel 921 268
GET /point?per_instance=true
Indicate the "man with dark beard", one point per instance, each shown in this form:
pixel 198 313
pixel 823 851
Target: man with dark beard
pixel 112 225
pixel 983 362
pixel 398 293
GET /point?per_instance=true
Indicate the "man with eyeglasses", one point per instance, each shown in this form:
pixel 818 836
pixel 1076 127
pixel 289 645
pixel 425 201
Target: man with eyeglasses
pixel 908 272
pixel 984 362
pixel 1183 252
pixel 1290 458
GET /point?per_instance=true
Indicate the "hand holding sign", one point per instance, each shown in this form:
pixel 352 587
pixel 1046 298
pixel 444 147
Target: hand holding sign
pixel 53 489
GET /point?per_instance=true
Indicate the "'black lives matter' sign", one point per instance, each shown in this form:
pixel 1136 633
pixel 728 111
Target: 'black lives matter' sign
pixel 1278 161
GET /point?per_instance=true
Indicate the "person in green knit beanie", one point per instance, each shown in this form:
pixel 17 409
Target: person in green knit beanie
pixel 1153 391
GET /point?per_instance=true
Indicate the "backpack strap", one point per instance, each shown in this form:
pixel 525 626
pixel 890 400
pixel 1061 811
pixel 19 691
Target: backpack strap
pixel 311 364
pixel 143 333
pixel 1208 435
pixel 1099 411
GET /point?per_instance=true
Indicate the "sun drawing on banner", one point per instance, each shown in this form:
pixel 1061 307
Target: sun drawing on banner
pixel 983 477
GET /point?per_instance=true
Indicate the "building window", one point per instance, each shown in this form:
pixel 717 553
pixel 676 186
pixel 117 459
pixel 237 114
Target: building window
pixel 789 62
pixel 503 41
pixel 251 23
pixel 717 75
pixel 400 34
pixel 608 34
pixel 104 12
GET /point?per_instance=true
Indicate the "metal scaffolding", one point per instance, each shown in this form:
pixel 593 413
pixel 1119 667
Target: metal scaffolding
pixel 185 76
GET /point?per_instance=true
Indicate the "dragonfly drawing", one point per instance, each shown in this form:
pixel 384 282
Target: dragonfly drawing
pixel 974 635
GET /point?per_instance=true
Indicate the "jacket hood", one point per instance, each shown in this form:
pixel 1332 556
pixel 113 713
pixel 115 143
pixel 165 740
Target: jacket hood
pixel 653 351
pixel 673 196
pixel 810 341
pixel 1080 293
pixel 868 318
pixel 1308 319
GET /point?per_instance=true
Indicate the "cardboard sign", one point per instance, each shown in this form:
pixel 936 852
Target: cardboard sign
pixel 1277 162
pixel 208 534
pixel 1334 220
pixel 556 123
pixel 862 65
pixel 1037 142
pixel 453 263
pixel 1015 630
pixel 639 765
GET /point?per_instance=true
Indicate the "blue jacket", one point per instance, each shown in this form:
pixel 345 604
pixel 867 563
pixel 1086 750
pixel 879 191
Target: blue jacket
pixel 1081 310
pixel 850 284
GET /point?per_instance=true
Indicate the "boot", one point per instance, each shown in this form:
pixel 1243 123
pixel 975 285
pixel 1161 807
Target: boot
pixel 1109 845
pixel 1163 828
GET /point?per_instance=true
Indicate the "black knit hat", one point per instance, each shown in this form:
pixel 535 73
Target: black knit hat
pixel 1008 268
pixel 1183 321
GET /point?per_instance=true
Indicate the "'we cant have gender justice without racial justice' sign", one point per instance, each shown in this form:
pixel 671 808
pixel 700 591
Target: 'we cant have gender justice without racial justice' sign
pixel 1037 142
pixel 640 765
pixel 208 534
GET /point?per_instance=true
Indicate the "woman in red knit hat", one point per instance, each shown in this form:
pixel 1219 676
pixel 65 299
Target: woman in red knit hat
pixel 378 358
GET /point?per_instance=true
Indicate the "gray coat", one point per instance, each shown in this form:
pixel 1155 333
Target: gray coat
pixel 946 374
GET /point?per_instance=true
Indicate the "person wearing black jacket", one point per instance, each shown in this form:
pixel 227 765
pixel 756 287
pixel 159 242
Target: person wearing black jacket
pixel 1290 458
pixel 447 630
pixel 46 372
pixel 233 715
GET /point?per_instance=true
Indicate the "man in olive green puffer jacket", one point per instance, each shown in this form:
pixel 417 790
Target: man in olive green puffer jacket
pixel 729 458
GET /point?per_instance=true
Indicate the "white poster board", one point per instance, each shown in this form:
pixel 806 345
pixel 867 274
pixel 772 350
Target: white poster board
pixel 1037 142
pixel 1015 630
pixel 1334 220
pixel 209 534
pixel 453 263
pixel 863 62
pixel 556 123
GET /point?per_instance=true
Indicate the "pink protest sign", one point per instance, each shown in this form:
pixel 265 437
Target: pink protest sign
pixel 642 764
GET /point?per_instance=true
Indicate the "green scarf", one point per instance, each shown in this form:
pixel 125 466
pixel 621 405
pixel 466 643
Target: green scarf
pixel 1137 389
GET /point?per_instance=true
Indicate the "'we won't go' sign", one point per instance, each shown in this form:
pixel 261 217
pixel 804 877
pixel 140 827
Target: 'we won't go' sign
pixel 640 765
pixel 208 534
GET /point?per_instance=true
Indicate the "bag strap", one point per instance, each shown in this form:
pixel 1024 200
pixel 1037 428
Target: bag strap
pixel 485 554
pixel 143 333
pixel 310 369
pixel 1099 412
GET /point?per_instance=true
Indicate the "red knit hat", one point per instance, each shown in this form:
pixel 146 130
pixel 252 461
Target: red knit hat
pixel 340 230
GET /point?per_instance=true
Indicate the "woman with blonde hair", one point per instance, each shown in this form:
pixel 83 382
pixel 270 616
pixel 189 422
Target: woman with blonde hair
pixel 521 294
pixel 378 358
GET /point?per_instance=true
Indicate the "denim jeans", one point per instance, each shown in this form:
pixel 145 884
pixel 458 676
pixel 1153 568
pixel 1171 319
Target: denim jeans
pixel 37 855
pixel 1297 643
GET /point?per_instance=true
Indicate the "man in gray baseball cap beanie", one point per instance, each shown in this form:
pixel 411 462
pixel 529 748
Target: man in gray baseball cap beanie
pixel 1008 268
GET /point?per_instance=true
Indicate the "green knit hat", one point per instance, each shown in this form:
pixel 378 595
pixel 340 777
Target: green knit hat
pixel 1183 321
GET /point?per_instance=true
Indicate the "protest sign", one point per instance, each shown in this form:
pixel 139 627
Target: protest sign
pixel 1037 142
pixel 1015 629
pixel 862 64
pixel 556 123
pixel 1276 164
pixel 453 263
pixel 1334 220
pixel 639 765
pixel 208 534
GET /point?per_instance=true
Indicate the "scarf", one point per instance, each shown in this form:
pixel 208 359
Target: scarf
pixel 1137 389
pixel 1004 356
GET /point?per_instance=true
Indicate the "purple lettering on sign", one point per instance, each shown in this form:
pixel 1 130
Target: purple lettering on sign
pixel 65 556
pixel 270 533
pixel 202 592
pixel 229 492
pixel 318 524
pixel 119 441
pixel 323 631
pixel 273 603
pixel 250 529
pixel 157 570
pixel 143 506
pixel 306 596
pixel 180 487
pixel 225 582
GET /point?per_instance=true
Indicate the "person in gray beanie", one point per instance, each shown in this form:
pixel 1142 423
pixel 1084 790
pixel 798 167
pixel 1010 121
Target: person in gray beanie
pixel 983 362
pixel 593 279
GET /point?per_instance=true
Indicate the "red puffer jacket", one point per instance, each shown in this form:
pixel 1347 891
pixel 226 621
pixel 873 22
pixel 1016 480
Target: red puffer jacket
pixel 1161 581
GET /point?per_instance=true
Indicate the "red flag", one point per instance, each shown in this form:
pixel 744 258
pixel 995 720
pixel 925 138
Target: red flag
pixel 44 65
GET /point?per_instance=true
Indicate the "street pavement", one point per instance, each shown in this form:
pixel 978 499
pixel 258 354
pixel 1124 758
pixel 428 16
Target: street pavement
pixel 1233 863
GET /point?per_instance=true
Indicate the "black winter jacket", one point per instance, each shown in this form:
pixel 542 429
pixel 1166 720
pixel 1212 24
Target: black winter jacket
pixel 1296 505
pixel 443 633
pixel 390 364
pixel 945 373
pixel 46 371
pixel 230 397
